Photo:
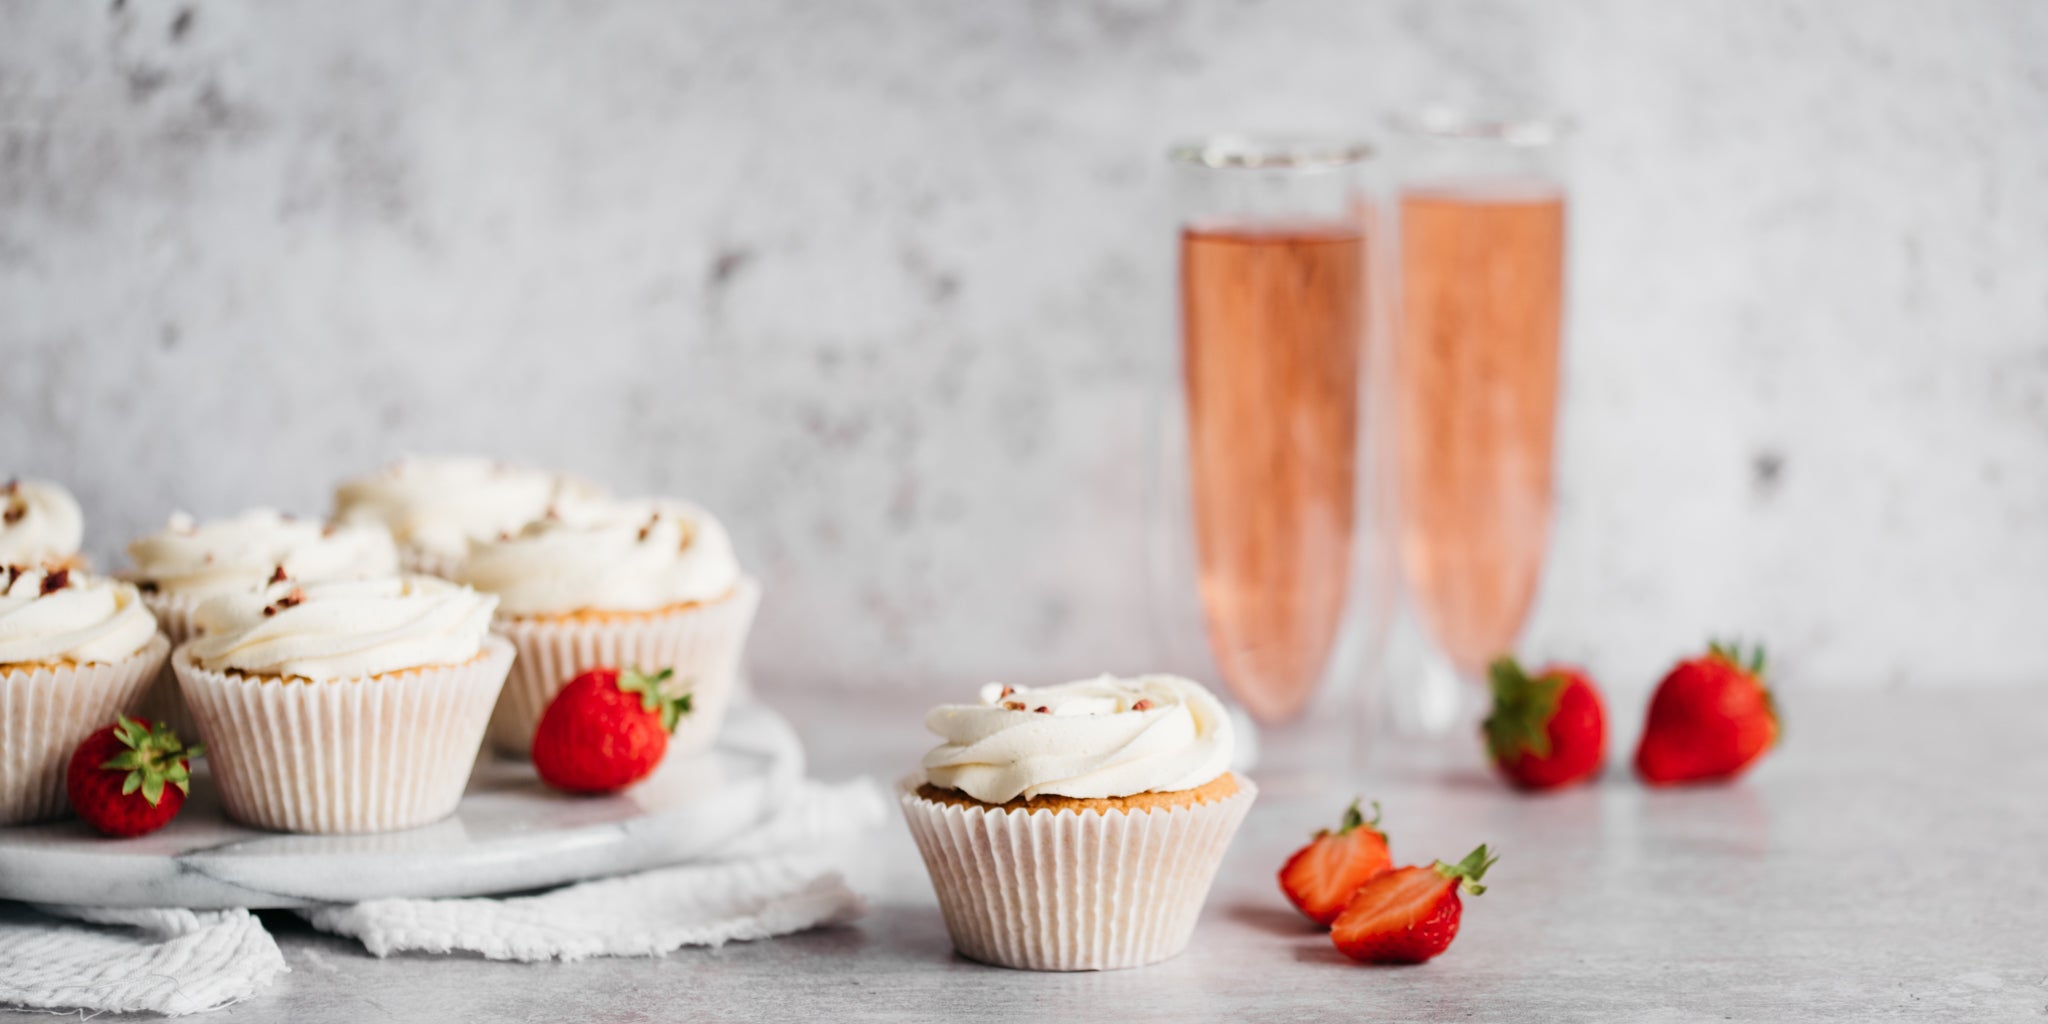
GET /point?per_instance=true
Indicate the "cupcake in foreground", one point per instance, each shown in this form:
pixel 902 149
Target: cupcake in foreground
pixel 346 706
pixel 182 565
pixel 75 651
pixel 433 507
pixel 40 524
pixel 639 585
pixel 1076 827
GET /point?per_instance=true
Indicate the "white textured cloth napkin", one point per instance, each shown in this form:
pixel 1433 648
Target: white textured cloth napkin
pixel 769 881
pixel 171 961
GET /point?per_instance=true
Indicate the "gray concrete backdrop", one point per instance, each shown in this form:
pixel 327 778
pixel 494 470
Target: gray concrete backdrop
pixel 889 285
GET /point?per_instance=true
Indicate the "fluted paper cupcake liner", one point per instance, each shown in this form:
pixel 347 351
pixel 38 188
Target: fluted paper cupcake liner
pixel 427 563
pixel 373 754
pixel 702 643
pixel 1061 891
pixel 161 701
pixel 45 712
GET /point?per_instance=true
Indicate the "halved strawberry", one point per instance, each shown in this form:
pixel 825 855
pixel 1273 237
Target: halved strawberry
pixel 1410 914
pixel 1321 876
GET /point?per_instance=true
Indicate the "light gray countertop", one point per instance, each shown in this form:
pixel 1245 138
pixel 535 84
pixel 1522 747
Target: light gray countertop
pixel 1886 864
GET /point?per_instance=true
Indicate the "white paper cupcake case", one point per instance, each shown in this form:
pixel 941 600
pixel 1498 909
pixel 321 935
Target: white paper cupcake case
pixel 46 712
pixel 1048 891
pixel 427 563
pixel 161 701
pixel 347 755
pixel 702 643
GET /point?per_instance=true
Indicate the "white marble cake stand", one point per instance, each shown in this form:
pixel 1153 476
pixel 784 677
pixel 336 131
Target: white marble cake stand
pixel 510 833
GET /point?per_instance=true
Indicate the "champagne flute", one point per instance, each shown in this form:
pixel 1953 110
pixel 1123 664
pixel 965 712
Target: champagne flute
pixel 1268 492
pixel 1476 373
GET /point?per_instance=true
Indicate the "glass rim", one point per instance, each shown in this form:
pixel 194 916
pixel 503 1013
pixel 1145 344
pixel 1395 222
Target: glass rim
pixel 1271 152
pixel 1446 122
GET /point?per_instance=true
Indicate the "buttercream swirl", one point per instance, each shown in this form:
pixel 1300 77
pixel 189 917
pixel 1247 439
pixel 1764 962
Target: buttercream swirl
pixel 341 629
pixel 39 522
pixel 49 615
pixel 438 504
pixel 606 556
pixel 1092 739
pixel 237 553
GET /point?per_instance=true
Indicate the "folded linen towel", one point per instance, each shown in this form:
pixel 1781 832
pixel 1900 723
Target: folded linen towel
pixel 749 890
pixel 174 962
pixel 765 882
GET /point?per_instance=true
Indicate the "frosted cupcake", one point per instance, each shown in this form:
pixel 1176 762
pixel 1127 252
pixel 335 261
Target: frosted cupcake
pixel 646 585
pixel 1076 827
pixel 40 524
pixel 76 650
pixel 347 706
pixel 184 564
pixel 433 507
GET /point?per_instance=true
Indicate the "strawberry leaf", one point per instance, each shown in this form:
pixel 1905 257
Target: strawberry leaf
pixel 154 758
pixel 1469 871
pixel 1354 819
pixel 1522 708
pixel 653 699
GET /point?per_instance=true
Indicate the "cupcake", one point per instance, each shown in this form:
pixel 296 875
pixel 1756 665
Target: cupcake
pixel 76 651
pixel 40 524
pixel 345 706
pixel 1076 827
pixel 434 506
pixel 182 565
pixel 646 585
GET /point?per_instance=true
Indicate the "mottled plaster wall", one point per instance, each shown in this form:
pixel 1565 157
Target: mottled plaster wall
pixel 889 285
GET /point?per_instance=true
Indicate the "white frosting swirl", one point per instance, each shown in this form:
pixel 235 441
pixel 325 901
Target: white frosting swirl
pixel 1095 739
pixel 61 615
pixel 606 556
pixel 437 505
pixel 342 629
pixel 39 522
pixel 241 552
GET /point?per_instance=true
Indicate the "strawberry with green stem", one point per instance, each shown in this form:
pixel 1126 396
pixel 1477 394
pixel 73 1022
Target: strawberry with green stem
pixel 1411 914
pixel 606 730
pixel 129 779
pixel 1711 718
pixel 1547 730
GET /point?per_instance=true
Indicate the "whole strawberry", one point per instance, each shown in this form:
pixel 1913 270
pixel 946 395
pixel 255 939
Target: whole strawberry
pixel 1546 731
pixel 606 730
pixel 127 779
pixel 1409 915
pixel 1710 719
pixel 1320 877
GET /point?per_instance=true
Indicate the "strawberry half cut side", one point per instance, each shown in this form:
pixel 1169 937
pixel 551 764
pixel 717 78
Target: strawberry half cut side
pixel 1409 915
pixel 1320 877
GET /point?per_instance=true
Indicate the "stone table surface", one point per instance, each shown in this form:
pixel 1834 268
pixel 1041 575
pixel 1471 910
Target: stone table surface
pixel 1886 864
